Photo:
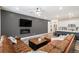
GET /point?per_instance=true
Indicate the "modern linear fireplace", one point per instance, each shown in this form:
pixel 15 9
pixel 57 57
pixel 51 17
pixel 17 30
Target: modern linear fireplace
pixel 24 31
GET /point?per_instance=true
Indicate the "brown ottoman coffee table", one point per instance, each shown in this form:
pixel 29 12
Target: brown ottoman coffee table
pixel 35 43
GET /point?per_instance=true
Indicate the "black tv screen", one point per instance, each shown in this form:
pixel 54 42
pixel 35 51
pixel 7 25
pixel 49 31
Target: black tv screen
pixel 25 23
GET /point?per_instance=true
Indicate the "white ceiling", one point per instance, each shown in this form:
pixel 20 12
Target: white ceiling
pixel 47 12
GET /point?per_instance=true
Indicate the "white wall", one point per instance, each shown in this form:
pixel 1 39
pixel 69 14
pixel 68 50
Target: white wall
pixel 51 25
pixel 64 23
pixel 71 21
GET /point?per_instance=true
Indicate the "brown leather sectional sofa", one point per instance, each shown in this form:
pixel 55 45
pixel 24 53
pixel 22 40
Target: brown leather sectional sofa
pixel 59 46
pixel 55 46
pixel 7 46
pixel 21 46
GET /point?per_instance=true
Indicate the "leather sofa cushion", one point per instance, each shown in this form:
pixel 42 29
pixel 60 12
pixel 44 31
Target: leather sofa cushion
pixel 22 47
pixel 7 45
pixel 50 49
pixel 69 38
pixel 55 50
pixel 62 45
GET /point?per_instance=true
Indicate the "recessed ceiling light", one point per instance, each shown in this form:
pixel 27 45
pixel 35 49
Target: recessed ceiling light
pixel 70 14
pixel 60 8
pixel 57 17
pixel 17 8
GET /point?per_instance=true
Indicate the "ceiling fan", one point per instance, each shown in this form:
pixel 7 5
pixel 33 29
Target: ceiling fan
pixel 36 11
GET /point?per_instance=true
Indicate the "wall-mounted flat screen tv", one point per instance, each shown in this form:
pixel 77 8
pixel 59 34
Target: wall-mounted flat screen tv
pixel 25 23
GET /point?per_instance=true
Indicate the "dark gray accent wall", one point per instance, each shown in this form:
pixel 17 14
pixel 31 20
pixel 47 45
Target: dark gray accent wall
pixel 10 24
pixel 0 22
